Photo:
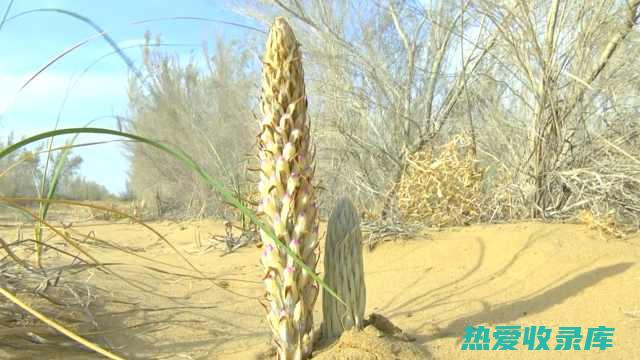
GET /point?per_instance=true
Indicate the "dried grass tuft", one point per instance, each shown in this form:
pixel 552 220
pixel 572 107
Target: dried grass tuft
pixel 24 288
pixel 606 225
pixel 606 182
pixel 443 190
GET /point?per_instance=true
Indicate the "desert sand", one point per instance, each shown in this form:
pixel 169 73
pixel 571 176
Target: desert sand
pixel 431 287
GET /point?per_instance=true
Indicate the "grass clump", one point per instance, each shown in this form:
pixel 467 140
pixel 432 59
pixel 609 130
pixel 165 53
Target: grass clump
pixel 442 190
pixel 605 225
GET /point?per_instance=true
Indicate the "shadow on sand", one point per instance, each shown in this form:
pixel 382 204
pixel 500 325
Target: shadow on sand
pixel 509 312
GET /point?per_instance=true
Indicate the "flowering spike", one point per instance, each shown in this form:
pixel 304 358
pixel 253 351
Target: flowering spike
pixel 285 163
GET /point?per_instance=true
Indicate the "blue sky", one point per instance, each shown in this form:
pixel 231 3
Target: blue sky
pixel 29 42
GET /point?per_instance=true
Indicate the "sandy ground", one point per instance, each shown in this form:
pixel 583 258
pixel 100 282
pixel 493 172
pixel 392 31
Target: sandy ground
pixel 431 287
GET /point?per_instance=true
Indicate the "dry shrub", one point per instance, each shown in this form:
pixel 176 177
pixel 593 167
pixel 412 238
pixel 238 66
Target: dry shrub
pixel 606 181
pixel 605 225
pixel 70 302
pixel 442 191
pixel 507 196
pixel 206 114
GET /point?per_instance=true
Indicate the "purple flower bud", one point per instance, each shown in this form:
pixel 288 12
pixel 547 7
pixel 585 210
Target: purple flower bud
pixel 267 250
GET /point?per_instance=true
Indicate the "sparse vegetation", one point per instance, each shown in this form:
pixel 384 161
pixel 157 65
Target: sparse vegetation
pixel 21 175
pixel 205 113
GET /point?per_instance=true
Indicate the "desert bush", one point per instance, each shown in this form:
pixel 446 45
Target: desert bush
pixel 443 189
pixel 206 113
pixel 535 84
pixel 377 72
pixel 79 188
pixel 542 111
pixel 21 176
pixel 605 224
pixel 606 183
pixel 19 172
